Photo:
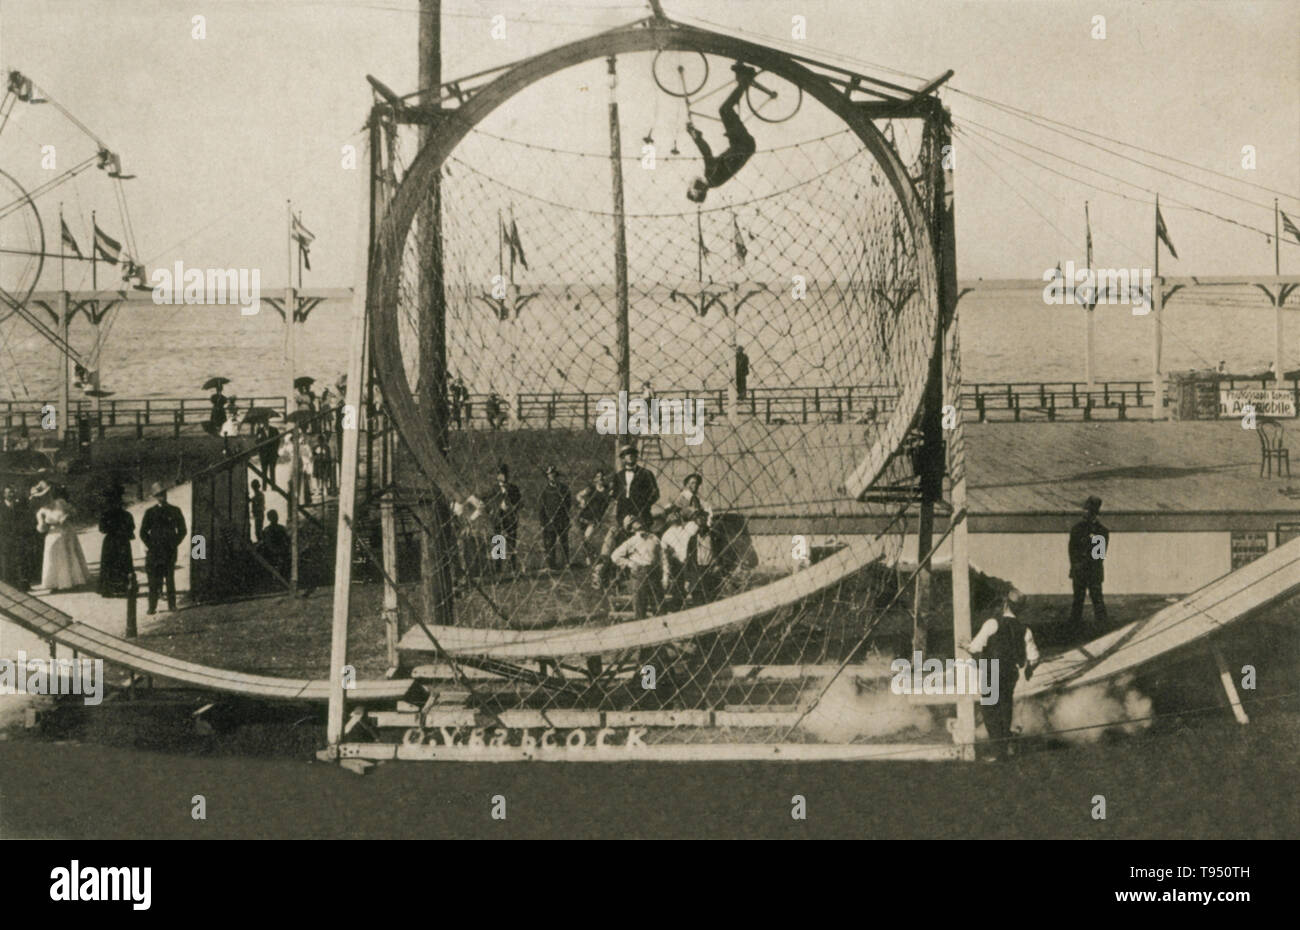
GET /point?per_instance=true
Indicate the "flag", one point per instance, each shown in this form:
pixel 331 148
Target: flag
pixel 515 243
pixel 68 241
pixel 1163 234
pixel 1290 227
pixel 132 273
pixel 741 251
pixel 304 237
pixel 106 247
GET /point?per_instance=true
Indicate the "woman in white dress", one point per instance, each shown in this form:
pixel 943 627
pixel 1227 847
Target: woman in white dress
pixel 65 563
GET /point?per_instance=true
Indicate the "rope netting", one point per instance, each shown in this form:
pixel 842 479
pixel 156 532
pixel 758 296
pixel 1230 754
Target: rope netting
pixel 779 337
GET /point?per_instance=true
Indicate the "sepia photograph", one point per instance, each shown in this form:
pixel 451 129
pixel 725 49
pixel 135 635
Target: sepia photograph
pixel 679 419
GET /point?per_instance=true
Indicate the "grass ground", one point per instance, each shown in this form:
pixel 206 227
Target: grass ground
pixel 1210 778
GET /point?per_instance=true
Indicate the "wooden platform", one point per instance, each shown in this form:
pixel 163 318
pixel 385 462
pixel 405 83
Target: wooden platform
pixel 1151 477
pixel 1145 474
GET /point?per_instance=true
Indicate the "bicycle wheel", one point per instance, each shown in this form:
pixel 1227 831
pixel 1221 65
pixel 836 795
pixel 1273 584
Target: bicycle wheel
pixel 680 74
pixel 773 99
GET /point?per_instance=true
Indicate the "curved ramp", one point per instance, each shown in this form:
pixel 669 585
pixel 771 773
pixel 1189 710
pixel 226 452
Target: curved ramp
pixel 47 622
pixel 653 631
pixel 1232 597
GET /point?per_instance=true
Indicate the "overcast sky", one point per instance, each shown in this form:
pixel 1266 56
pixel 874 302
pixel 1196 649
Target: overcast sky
pixel 220 131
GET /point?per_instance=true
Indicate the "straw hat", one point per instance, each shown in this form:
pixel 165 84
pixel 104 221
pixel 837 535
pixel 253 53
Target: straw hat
pixel 40 489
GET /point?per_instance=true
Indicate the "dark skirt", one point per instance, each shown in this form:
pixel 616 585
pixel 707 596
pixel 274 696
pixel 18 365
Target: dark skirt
pixel 115 566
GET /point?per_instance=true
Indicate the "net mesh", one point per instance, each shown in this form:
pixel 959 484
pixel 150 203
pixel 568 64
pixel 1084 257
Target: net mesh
pixel 778 337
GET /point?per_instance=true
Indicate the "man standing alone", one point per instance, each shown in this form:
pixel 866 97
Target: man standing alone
pixel 1089 540
pixel 1008 642
pixel 162 531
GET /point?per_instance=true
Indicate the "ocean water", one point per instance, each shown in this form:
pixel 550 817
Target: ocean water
pixel 1006 336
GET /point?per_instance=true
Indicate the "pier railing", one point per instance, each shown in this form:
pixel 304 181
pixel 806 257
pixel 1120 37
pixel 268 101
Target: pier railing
pixel 1020 401
pixel 144 415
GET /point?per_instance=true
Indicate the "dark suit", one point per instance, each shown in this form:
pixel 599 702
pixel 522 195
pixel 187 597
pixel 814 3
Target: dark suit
pixel 162 531
pixel 637 500
pixel 1087 572
pixel 553 514
pixel 13 557
pixel 504 504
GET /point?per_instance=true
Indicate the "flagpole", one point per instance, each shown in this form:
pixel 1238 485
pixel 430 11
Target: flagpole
pixel 1278 325
pixel 1089 311
pixel 94 251
pixel 64 333
pixel 1157 329
pixel 291 340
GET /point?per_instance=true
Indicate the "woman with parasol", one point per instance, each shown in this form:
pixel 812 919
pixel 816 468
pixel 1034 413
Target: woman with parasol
pixel 218 400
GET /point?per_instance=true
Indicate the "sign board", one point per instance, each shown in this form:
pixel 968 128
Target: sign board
pixel 1268 402
pixel 1247 547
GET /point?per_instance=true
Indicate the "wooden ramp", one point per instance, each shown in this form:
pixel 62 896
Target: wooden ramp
pixel 653 631
pixel 1229 598
pixel 36 616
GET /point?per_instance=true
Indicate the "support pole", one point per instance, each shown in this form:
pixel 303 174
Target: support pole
pixel 946 254
pixel 295 463
pixel 1229 686
pixel 620 242
pixel 348 487
pixel 1279 360
pixel 436 578
pixel 1157 329
pixel 1157 348
pixel 64 404
pixel 932 440
pixel 1090 314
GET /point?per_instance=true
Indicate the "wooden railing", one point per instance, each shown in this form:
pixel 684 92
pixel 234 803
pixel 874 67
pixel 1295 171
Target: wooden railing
pixel 170 414
pixel 997 401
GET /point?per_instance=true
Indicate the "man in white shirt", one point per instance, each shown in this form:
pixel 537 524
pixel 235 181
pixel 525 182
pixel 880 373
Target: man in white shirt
pixel 679 542
pixel 642 555
pixel 1010 643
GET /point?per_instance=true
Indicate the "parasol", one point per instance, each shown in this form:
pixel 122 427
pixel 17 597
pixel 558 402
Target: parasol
pixel 215 383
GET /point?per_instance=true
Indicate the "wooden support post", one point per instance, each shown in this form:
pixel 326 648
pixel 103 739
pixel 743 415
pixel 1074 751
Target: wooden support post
pixel 1157 349
pixel 620 242
pixel 348 485
pixel 295 462
pixel 1229 686
pixel 388 528
pixel 1279 356
pixel 436 541
pixel 64 327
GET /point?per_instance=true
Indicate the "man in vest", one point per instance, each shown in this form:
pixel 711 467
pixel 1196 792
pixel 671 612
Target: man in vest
pixel 1008 642
pixel 1089 540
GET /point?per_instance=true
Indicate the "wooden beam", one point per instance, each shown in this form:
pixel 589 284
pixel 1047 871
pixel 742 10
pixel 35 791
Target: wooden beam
pixel 657 752
pixel 931 86
pixel 1229 686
